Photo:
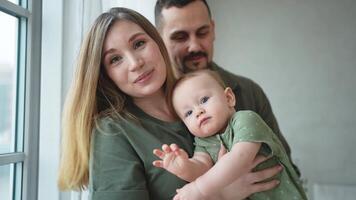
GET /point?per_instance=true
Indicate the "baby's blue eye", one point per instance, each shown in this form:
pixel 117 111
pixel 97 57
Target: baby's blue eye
pixel 204 100
pixel 187 114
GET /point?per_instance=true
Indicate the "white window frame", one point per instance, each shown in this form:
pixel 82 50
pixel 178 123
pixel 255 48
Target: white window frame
pixel 27 114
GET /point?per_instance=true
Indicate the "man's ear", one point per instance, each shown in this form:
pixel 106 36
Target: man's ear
pixel 213 28
pixel 230 97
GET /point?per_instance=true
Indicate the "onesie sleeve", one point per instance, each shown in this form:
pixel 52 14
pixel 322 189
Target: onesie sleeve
pixel 250 127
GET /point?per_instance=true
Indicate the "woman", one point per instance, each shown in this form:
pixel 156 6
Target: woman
pixel 116 113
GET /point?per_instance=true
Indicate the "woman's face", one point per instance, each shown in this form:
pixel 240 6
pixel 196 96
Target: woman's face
pixel 132 59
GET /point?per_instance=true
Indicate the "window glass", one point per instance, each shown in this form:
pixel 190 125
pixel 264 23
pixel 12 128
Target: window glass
pixel 14 1
pixel 5 181
pixel 8 73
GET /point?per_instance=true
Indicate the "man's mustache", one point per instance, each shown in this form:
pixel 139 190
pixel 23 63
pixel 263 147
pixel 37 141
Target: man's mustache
pixel 194 54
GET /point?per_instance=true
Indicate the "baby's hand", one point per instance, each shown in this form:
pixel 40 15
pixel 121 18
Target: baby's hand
pixel 173 159
pixel 189 192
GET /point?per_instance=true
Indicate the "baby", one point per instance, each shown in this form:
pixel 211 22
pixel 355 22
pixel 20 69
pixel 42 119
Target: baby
pixel 206 107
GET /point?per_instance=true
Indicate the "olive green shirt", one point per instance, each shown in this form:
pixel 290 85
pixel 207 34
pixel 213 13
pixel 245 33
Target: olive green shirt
pixel 247 126
pixel 121 158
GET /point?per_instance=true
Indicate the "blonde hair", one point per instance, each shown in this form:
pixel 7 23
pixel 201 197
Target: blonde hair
pixel 93 95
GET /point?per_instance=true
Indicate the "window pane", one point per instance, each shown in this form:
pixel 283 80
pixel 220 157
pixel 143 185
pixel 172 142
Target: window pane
pixel 17 181
pixel 5 181
pixel 8 71
pixel 14 1
pixel 10 181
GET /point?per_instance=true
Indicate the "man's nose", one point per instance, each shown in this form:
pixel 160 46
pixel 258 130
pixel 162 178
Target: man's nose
pixel 194 45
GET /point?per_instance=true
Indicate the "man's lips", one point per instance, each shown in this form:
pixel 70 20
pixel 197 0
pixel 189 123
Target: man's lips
pixel 204 120
pixel 143 77
pixel 195 58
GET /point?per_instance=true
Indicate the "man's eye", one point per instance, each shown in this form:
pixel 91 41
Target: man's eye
pixel 204 100
pixel 179 37
pixel 138 44
pixel 202 33
pixel 187 114
pixel 115 59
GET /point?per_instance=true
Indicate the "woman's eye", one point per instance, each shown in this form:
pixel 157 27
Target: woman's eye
pixel 115 59
pixel 204 100
pixel 138 44
pixel 187 114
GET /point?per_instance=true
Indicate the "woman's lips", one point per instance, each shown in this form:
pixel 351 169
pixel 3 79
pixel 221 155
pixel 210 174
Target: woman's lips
pixel 144 77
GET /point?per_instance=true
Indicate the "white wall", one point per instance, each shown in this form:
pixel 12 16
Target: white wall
pixel 303 54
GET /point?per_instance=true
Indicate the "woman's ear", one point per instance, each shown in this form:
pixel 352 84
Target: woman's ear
pixel 230 97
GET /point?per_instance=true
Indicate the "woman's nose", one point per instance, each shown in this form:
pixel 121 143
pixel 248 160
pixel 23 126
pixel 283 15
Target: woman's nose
pixel 136 62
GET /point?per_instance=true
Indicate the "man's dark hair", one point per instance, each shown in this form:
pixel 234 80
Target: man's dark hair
pixel 165 4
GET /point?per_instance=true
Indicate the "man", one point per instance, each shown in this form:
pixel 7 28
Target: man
pixel 188 31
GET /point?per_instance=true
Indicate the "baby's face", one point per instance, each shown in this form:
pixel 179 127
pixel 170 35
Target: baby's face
pixel 203 105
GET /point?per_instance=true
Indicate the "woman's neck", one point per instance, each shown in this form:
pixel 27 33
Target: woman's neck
pixel 156 106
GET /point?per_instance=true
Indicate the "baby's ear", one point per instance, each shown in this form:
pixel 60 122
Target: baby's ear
pixel 230 97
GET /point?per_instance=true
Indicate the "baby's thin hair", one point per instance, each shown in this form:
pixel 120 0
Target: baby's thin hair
pixel 190 75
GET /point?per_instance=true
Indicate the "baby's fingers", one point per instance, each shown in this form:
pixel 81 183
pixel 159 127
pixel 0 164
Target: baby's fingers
pixel 166 148
pixel 174 147
pixel 158 163
pixel 160 154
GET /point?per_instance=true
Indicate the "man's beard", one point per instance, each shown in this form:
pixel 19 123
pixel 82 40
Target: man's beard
pixel 185 69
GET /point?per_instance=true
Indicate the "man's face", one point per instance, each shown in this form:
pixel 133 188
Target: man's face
pixel 189 35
